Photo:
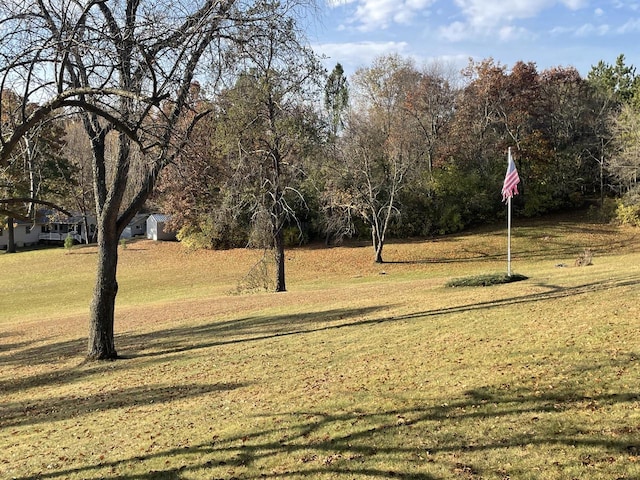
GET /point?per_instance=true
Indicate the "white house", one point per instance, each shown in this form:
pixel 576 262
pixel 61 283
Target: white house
pixel 156 228
pixel 137 226
pixel 49 229
pixel 57 230
pixel 25 234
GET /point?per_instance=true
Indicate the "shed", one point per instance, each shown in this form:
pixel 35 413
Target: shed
pixel 156 228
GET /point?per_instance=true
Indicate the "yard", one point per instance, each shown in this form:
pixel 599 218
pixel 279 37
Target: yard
pixel 360 370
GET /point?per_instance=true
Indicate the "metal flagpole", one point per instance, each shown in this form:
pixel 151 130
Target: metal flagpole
pixel 509 239
pixel 509 224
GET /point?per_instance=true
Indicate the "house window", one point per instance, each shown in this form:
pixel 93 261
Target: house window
pixel 27 230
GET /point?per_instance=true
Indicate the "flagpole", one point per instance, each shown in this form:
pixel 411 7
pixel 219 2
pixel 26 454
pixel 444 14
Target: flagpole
pixel 509 238
pixel 509 225
pixel 509 189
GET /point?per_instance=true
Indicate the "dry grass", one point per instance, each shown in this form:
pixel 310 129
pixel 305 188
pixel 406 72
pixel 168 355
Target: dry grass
pixel 358 371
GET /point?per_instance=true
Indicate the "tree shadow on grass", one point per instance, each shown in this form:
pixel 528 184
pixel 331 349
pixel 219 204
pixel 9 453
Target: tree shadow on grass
pixel 445 436
pixel 254 329
pixel 52 409
pixel 553 247
pixel 48 350
pixel 338 443
pixel 250 329
pixel 161 343
pixel 6 348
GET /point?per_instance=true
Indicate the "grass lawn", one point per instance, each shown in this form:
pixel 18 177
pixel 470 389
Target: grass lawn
pixel 359 371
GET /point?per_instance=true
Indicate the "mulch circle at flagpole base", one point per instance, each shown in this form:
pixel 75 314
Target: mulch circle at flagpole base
pixel 486 280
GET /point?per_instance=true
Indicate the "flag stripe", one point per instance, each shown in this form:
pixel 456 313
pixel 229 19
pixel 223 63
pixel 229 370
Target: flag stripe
pixel 511 181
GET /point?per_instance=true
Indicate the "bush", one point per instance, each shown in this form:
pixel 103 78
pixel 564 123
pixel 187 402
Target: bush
pixel 486 280
pixel 68 243
pixel 193 238
pixel 208 235
pixel 450 220
pixel 628 214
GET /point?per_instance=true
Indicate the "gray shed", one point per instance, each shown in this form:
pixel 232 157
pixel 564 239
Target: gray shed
pixel 156 224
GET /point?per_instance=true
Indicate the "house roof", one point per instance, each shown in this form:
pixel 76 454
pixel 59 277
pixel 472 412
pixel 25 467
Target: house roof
pixel 53 216
pixel 139 218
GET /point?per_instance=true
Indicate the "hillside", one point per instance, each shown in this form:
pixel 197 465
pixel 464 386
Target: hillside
pixel 358 371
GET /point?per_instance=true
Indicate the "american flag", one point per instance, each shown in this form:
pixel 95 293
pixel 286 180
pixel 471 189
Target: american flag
pixel 511 180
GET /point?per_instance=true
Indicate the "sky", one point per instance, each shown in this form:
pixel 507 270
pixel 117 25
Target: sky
pixel 577 33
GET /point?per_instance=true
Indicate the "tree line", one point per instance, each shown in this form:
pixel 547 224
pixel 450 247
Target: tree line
pixel 221 115
pixel 399 150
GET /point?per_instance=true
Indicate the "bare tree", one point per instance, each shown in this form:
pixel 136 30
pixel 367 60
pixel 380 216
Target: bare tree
pixel 79 181
pixel 430 104
pixel 378 148
pixel 264 127
pixel 127 69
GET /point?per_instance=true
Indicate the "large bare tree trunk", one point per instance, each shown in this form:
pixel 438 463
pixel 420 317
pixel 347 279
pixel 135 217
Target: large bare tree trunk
pixel 101 322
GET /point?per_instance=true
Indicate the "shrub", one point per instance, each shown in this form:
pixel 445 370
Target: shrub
pixel 485 280
pixel 628 214
pixel 68 243
pixel 194 238
pixel 209 235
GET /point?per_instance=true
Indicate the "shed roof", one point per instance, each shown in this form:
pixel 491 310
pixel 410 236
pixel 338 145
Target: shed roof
pixel 159 217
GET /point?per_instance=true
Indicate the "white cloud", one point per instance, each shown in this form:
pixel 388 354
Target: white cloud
pixel 455 32
pixel 510 33
pixel 491 18
pixel 371 15
pixel 338 3
pixel 632 26
pixel 589 30
pixel 626 4
pixel 575 4
pixel 598 12
pixel 358 54
pixel 586 30
pixel 374 14
pixel 488 13
pixel 561 30
pixel 483 16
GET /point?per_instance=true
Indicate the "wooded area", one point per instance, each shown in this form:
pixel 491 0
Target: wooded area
pixel 399 150
pixel 220 115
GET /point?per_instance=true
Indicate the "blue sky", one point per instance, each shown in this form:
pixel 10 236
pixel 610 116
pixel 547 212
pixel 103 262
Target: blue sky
pixel 549 33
